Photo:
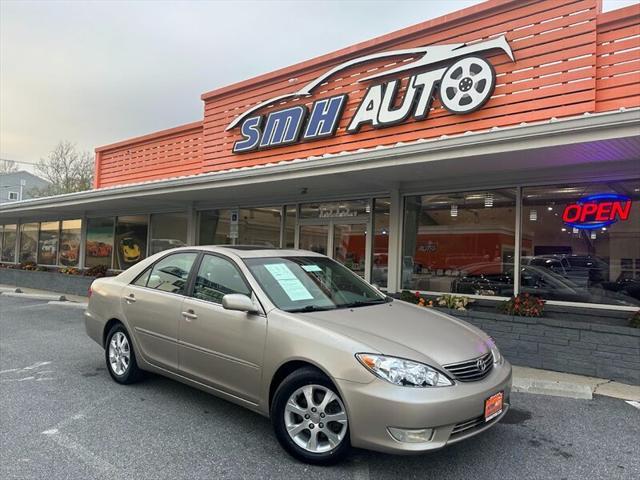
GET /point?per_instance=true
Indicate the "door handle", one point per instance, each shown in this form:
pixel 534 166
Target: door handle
pixel 130 298
pixel 189 315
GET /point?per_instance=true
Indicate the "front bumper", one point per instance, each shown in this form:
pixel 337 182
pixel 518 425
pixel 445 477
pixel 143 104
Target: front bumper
pixel 454 413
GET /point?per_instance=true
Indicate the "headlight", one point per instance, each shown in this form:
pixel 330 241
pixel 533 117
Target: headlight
pixel 497 356
pixel 403 372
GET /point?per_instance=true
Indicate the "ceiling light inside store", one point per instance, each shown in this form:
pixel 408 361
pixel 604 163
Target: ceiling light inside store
pixel 593 235
pixel 533 215
pixel 564 229
pixel 454 210
pixel 549 208
pixel 488 200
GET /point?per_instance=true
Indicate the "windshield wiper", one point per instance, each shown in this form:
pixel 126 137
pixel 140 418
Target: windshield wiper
pixel 311 308
pixel 364 303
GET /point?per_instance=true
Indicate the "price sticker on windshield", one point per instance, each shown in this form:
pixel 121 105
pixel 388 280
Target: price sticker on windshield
pixel 288 281
pixel 311 268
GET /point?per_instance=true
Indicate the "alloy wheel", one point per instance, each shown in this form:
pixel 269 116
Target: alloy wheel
pixel 119 353
pixel 315 418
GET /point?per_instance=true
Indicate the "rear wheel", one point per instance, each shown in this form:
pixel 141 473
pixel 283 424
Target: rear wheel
pixel 120 357
pixel 310 419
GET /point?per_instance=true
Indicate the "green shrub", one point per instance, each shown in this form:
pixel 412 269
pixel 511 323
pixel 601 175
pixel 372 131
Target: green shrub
pixel 410 297
pixel 523 305
pixel 454 302
pixel 97 271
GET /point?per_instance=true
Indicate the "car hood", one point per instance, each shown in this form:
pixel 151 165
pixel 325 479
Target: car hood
pixel 408 331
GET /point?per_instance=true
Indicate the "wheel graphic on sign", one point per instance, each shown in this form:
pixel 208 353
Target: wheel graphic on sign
pixel 467 85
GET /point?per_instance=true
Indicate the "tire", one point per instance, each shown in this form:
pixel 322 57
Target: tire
pixel 332 443
pixel 467 85
pixel 119 346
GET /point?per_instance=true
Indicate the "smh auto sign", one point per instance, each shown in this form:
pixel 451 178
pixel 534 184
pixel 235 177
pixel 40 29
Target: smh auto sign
pixel 463 79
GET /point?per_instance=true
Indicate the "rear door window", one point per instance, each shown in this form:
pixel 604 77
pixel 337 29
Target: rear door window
pixel 171 273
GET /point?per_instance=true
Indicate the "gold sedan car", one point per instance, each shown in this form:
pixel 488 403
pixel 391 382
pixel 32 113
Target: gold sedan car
pixel 297 337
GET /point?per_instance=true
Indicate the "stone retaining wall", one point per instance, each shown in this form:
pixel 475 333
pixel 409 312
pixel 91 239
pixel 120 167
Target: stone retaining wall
pixel 585 348
pixel 53 281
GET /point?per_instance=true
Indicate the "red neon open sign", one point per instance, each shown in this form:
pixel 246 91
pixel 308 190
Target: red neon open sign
pixel 596 211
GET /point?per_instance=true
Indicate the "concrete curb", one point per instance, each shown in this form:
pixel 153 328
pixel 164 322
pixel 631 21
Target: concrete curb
pixel 36 296
pixel 9 290
pixel 67 303
pixel 545 382
pixel 556 389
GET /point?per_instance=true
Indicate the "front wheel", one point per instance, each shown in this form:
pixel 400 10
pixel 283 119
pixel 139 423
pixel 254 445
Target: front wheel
pixel 310 419
pixel 120 357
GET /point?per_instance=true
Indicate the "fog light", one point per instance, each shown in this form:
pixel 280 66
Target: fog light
pixel 419 435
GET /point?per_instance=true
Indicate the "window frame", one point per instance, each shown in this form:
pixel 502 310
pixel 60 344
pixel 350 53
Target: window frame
pixel 13 196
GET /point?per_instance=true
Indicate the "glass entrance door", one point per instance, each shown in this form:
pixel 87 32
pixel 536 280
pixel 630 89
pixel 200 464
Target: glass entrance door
pixel 315 238
pixel 350 246
pixel 343 240
pixel 340 230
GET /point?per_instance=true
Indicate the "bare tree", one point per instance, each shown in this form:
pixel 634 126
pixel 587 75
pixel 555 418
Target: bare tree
pixel 8 166
pixel 66 170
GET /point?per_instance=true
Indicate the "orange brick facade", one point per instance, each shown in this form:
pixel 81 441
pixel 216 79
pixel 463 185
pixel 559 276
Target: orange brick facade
pixel 570 59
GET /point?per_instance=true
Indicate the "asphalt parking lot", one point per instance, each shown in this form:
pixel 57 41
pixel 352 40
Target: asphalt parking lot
pixel 62 416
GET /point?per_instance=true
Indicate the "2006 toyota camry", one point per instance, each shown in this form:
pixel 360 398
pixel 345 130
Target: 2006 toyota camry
pixel 296 336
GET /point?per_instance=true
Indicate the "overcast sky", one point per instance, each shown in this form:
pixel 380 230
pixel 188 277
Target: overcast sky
pixel 102 71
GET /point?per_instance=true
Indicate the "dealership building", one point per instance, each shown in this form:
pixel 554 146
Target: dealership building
pixel 488 152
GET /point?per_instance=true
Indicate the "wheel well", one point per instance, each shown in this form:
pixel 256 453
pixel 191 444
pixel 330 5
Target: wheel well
pixel 107 328
pixel 285 370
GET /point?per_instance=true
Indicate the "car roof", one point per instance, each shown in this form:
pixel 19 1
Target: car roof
pixel 256 251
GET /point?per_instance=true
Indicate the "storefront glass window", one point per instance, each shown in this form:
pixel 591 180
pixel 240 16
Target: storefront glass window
pixel 380 263
pixel 289 226
pixel 130 241
pixel 48 243
pixel 99 248
pixel 214 227
pixel 168 230
pixel 259 226
pixel 70 235
pixel 460 242
pixel 571 251
pixel 9 243
pixel 28 242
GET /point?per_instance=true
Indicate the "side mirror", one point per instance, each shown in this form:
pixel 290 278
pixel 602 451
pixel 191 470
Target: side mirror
pixel 238 302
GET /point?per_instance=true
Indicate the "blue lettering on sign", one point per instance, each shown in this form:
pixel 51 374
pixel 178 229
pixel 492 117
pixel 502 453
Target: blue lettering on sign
pixel 283 127
pixel 324 118
pixel 250 130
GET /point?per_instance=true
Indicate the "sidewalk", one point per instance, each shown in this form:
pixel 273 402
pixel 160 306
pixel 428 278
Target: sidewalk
pixel 525 379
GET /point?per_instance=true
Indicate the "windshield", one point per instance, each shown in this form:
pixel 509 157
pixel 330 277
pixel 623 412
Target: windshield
pixel 299 284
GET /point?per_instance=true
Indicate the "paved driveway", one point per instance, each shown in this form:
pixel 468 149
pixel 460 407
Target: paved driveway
pixel 61 416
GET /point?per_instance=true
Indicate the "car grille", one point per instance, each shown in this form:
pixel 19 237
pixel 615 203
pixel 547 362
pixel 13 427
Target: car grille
pixel 471 370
